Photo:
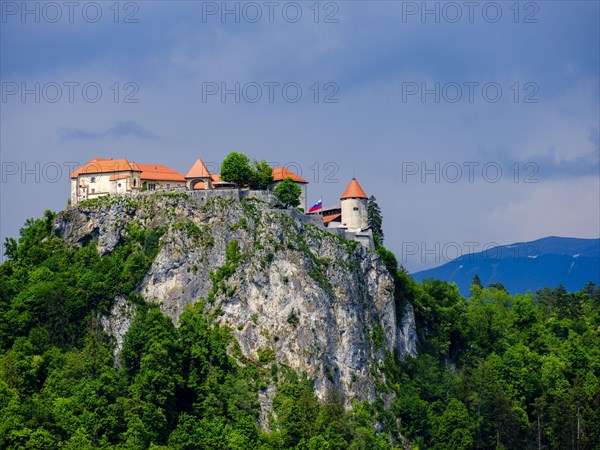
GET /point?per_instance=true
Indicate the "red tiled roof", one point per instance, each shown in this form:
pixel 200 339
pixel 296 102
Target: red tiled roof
pixel 281 173
pixel 217 179
pixel 198 170
pixel 331 218
pixel 100 165
pixel 157 172
pixel 354 191
pixel 200 185
pixel 117 176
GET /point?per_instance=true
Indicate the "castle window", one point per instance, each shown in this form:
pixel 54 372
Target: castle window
pixel 355 208
pixel 134 183
pixel 151 186
pixel 119 185
pixel 93 191
pixel 93 180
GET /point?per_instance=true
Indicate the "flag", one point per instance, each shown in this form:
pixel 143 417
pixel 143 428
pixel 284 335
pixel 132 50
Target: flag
pixel 317 206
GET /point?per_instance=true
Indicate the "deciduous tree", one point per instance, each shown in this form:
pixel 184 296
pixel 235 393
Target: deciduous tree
pixel 288 193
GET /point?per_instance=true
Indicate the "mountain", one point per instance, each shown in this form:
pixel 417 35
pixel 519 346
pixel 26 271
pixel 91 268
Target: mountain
pixel 523 266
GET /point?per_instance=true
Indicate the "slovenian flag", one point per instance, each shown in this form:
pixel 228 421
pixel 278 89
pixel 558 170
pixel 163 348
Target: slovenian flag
pixel 317 206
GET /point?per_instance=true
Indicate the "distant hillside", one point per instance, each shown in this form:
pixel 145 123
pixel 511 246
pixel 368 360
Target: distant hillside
pixel 523 266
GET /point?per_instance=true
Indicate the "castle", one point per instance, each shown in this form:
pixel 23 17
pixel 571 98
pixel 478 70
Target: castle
pixel 101 177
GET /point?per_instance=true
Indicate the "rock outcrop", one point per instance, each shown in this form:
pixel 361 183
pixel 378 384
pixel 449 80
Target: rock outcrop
pixel 290 291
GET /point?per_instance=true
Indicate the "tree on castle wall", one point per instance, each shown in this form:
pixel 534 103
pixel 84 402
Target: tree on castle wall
pixel 262 175
pixel 236 169
pixel 288 192
pixel 375 220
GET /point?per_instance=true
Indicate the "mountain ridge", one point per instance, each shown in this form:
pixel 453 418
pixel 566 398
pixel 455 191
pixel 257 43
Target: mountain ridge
pixel 522 266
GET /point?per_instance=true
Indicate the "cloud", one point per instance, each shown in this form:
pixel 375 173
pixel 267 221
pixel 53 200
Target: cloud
pixel 371 54
pixel 549 167
pixel 117 131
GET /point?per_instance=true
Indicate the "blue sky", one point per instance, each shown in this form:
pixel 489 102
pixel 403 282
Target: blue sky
pixel 542 133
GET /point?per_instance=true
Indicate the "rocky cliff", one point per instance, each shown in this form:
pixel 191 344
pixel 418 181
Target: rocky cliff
pixel 290 291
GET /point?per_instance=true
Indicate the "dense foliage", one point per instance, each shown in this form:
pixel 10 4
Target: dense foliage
pixel 501 371
pixel 493 371
pixel 288 192
pixel 236 168
pixel 262 175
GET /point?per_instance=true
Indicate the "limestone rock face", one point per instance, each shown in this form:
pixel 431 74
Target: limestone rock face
pixel 118 323
pixel 290 291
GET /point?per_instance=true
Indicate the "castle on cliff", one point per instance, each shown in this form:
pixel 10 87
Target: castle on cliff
pixel 101 177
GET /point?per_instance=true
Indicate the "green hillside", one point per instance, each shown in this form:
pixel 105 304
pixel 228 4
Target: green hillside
pixel 493 371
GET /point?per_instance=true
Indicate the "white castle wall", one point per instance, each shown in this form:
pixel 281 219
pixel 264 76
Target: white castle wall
pixel 354 213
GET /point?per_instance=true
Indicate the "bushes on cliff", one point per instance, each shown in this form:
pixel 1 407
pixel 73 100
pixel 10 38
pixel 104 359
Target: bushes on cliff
pixel 49 287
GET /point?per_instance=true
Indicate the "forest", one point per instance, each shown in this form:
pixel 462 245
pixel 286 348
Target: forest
pixel 494 370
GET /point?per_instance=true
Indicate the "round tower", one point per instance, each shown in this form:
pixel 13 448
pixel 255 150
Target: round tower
pixel 354 207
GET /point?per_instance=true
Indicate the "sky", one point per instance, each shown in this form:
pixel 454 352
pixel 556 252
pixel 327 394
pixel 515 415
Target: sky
pixel 474 124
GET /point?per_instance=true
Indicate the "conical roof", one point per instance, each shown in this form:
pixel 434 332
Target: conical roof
pixel 354 191
pixel 198 170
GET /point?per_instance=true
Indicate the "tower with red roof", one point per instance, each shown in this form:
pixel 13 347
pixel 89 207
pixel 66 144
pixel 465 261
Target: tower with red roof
pixel 354 207
pixel 198 176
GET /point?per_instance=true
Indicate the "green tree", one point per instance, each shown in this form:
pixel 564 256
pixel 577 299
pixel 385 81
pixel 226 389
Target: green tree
pixel 498 286
pixel 288 192
pixel 262 175
pixel 453 428
pixel 375 220
pixel 10 248
pixel 236 169
pixel 388 259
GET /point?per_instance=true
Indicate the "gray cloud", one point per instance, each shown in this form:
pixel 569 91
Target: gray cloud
pixel 119 130
pixel 371 54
